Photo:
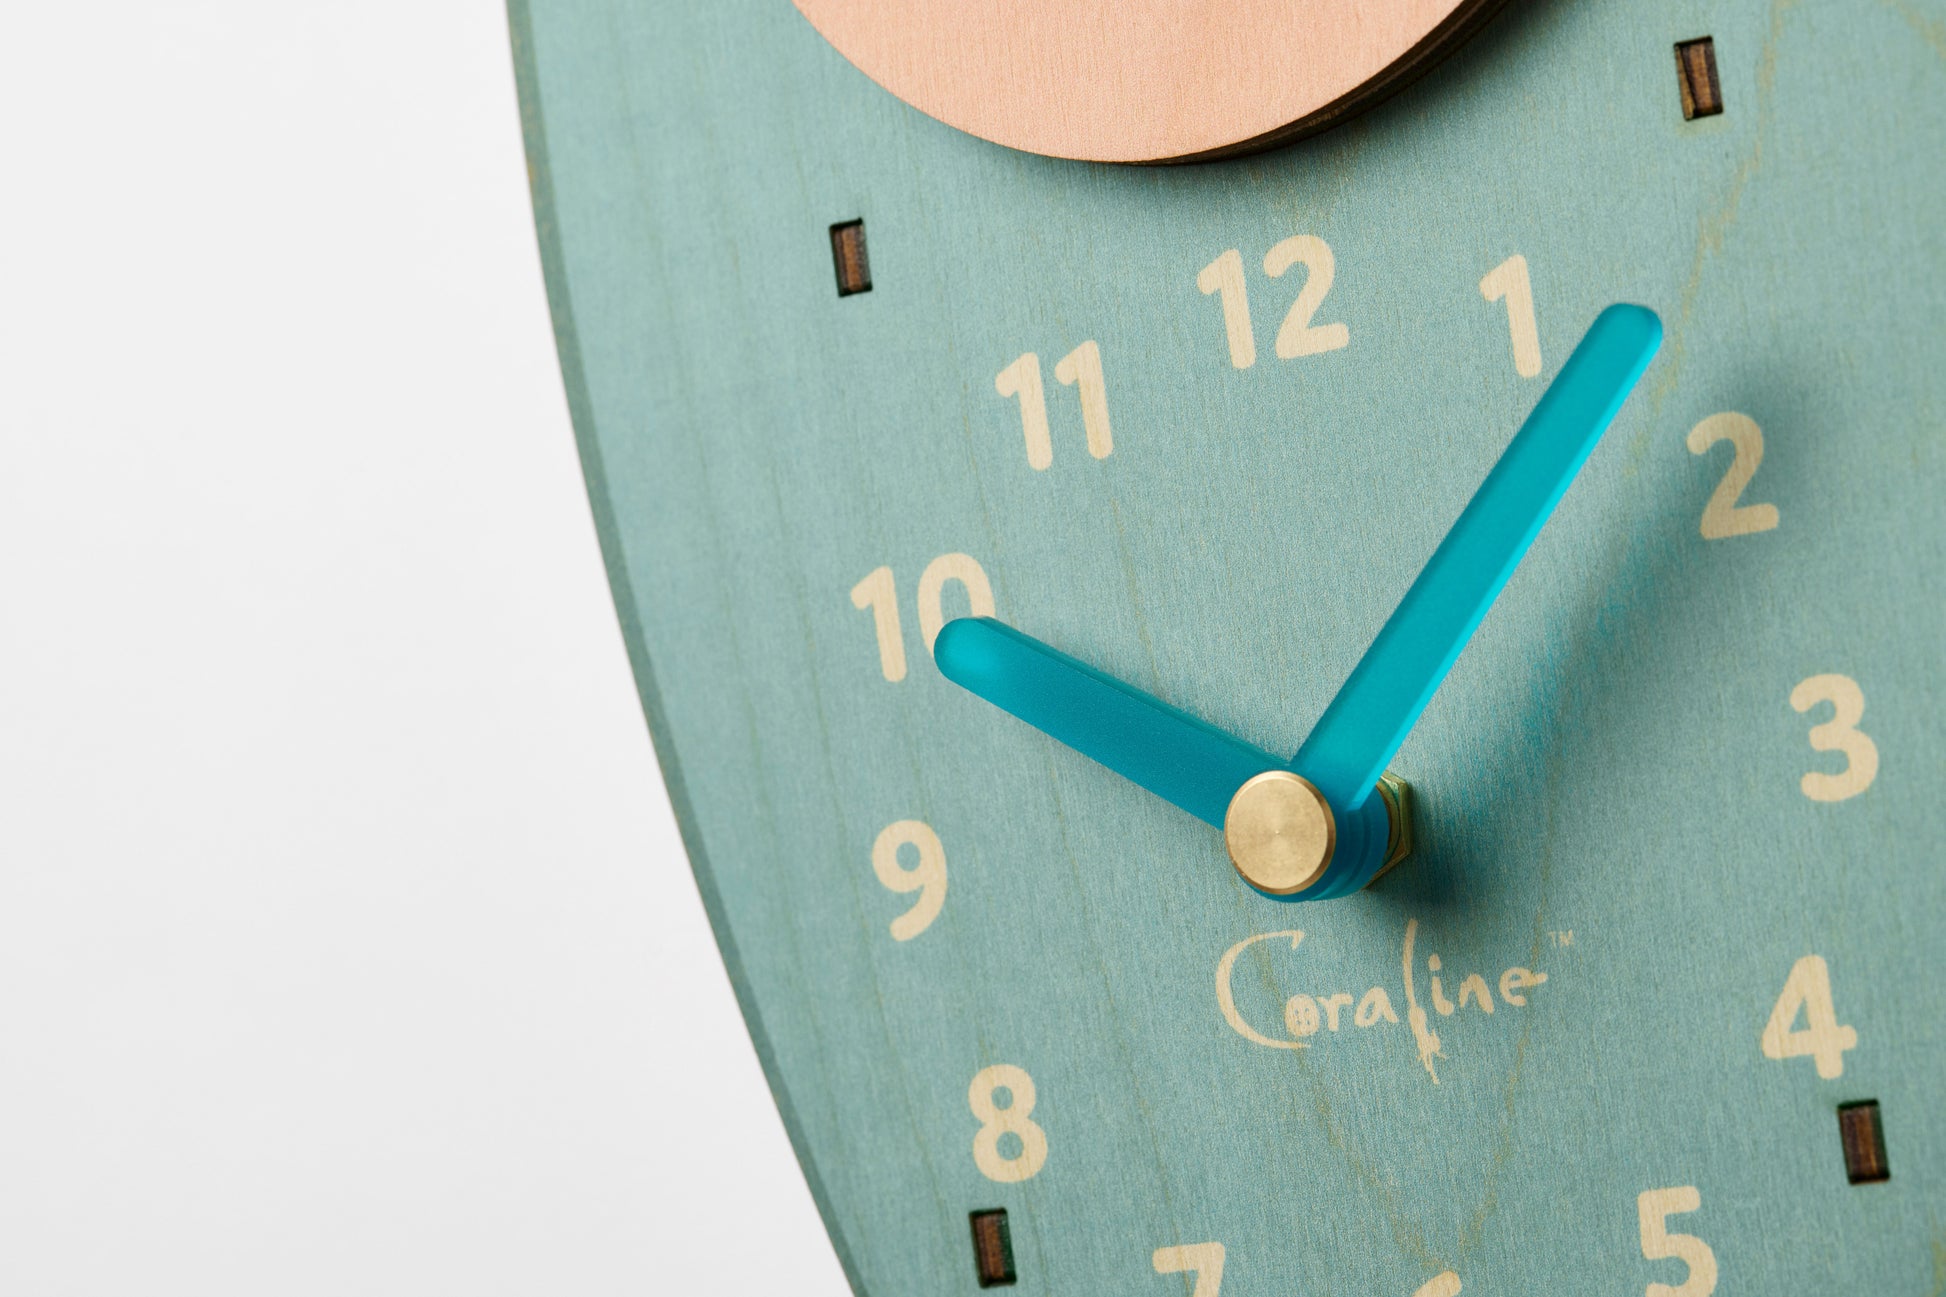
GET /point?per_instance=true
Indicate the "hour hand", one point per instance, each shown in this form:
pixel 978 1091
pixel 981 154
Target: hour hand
pixel 1180 759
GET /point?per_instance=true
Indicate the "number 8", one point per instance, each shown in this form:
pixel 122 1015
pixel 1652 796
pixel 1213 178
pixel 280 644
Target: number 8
pixel 1013 1120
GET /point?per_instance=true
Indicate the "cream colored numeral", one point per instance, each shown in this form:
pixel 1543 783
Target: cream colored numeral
pixel 1023 379
pixel 1655 1206
pixel 1509 281
pixel 932 584
pixel 1224 276
pixel 926 877
pixel 1083 366
pixel 1723 516
pixel 1839 734
pixel 1203 1260
pixel 877 593
pixel 1015 1119
pixel 1298 336
pixel 1808 991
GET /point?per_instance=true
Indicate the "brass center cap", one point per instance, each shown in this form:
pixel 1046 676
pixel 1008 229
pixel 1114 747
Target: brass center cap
pixel 1280 832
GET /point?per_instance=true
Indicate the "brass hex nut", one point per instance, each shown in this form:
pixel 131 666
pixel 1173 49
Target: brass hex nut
pixel 1398 813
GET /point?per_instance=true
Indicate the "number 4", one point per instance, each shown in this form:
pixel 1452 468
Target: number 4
pixel 1808 990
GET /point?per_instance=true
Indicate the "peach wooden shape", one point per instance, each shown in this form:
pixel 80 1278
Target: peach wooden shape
pixel 1131 80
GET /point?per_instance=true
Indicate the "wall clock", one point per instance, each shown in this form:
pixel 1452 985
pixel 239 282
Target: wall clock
pixel 1652 1005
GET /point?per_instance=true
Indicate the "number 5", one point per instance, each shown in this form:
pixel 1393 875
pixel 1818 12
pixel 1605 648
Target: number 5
pixel 1655 1207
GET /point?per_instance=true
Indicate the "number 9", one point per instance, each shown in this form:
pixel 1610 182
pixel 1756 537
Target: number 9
pixel 927 877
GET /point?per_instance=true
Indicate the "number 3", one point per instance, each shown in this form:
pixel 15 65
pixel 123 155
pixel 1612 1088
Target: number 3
pixel 1837 735
pixel 1655 1207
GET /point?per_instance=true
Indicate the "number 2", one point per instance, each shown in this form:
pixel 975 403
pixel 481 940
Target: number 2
pixel 1723 517
pixel 1655 1207
pixel 1298 336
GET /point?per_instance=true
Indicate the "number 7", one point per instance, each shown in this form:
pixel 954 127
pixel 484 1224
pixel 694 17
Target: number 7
pixel 1204 1260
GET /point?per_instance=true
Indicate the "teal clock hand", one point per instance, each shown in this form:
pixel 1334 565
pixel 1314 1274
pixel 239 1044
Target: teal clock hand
pixel 1368 719
pixel 1180 759
pixel 1324 811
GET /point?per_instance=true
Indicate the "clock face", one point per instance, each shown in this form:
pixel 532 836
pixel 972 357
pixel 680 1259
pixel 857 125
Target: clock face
pixel 1659 981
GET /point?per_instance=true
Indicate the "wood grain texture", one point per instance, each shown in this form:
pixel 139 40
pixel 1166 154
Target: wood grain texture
pixel 1143 80
pixel 1560 1003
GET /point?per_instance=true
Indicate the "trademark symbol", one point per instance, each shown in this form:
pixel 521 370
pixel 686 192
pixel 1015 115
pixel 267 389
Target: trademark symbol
pixel 1562 938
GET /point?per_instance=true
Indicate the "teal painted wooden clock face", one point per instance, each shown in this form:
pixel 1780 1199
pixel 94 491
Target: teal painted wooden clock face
pixel 1654 1004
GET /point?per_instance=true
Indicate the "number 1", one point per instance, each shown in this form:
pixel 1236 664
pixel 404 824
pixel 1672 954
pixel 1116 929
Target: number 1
pixel 877 592
pixel 1509 280
pixel 1225 276
pixel 1083 366
pixel 1023 379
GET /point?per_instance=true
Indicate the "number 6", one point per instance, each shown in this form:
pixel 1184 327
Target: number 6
pixel 1655 1207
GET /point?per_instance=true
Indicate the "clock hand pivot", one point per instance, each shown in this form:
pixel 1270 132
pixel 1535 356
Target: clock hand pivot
pixel 1280 832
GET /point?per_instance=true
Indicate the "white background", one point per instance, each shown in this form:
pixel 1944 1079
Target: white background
pixel 346 943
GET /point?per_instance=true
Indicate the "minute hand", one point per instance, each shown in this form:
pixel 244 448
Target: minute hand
pixel 1362 728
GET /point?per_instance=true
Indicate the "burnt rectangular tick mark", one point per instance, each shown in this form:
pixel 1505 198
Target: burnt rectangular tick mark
pixel 1702 93
pixel 1864 1141
pixel 848 257
pixel 993 1247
